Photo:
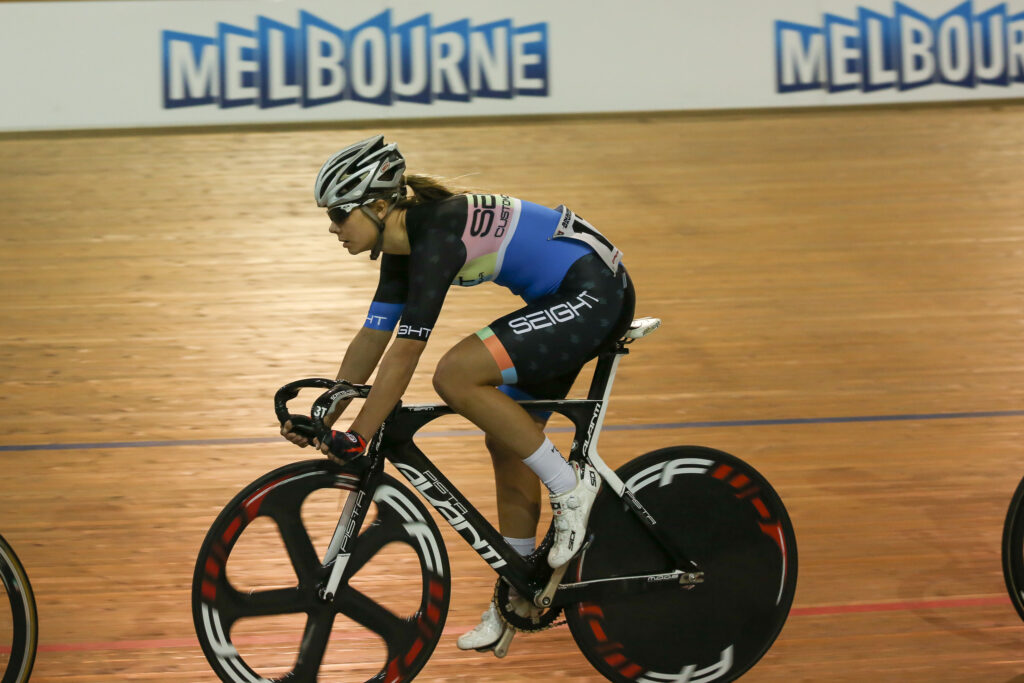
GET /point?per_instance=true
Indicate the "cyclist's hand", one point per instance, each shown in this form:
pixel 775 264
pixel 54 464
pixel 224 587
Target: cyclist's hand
pixel 298 430
pixel 343 446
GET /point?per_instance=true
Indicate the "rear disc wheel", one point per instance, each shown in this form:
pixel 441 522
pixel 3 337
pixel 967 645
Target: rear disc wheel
pixel 725 517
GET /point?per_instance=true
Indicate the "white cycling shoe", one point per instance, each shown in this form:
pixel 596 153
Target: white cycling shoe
pixel 486 633
pixel 492 633
pixel 570 511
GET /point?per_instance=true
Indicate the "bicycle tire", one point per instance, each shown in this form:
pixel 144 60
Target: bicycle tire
pixel 1013 549
pixel 279 495
pixel 728 519
pixel 22 656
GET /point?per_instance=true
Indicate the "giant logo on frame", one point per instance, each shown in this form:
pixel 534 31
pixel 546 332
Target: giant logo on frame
pixel 378 62
pixel 962 47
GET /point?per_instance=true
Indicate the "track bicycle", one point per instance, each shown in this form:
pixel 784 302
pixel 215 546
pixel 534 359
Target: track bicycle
pixel 687 574
pixel 1013 549
pixel 18 645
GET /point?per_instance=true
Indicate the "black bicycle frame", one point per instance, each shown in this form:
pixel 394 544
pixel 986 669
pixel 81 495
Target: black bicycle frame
pixel 394 443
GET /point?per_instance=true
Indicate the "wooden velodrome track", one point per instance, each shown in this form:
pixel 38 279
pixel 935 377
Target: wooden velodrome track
pixel 843 297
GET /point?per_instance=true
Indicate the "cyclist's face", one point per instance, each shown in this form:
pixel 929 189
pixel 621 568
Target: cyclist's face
pixel 355 232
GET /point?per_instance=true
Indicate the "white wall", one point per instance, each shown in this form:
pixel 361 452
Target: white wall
pixel 190 62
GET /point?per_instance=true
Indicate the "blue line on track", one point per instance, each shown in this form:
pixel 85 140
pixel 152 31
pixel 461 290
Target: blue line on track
pixel 471 432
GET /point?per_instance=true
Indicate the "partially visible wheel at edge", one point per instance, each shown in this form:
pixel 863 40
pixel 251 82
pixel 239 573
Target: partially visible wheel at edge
pixel 1013 549
pixel 18 662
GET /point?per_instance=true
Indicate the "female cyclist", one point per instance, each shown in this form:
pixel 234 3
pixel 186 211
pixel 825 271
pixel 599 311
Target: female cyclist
pixel 578 299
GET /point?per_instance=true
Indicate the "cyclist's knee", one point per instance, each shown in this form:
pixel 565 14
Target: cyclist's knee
pixel 459 370
pixel 447 379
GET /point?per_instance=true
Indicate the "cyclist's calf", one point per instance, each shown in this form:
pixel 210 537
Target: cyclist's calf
pixel 518 493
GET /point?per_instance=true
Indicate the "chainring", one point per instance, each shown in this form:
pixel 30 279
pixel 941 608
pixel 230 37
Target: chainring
pixel 521 614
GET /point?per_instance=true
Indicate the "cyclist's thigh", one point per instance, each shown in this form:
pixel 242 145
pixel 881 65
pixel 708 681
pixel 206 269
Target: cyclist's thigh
pixel 551 338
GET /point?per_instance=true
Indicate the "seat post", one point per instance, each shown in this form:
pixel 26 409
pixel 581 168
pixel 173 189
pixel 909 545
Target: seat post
pixel 604 372
pixel 600 390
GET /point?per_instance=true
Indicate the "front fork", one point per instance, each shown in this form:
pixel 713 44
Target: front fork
pixel 369 470
pixel 339 551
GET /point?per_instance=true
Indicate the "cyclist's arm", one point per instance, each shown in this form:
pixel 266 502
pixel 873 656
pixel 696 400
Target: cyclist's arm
pixel 361 357
pixel 433 263
pixel 392 380
pixel 369 343
pixel 363 354
pixel 359 362
pixel 367 347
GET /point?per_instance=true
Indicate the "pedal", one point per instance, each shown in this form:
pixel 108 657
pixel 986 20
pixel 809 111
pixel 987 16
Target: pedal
pixel 543 598
pixel 501 647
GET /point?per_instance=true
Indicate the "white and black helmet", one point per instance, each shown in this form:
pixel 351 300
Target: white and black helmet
pixel 357 175
pixel 360 173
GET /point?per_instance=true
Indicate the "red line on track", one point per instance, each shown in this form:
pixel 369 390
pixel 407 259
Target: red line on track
pixel 906 606
pixel 820 610
pixel 154 644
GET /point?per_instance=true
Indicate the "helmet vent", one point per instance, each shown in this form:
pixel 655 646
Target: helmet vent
pixel 367 168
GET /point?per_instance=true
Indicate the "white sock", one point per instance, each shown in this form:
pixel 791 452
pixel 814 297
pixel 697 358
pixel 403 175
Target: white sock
pixel 523 546
pixel 548 464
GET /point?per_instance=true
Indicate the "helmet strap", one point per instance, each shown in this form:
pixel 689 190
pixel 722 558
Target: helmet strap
pixel 379 222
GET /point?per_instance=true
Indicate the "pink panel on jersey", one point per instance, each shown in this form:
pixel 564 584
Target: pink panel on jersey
pixel 490 222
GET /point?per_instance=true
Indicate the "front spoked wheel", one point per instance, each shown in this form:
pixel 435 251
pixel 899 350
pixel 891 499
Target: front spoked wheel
pixel 19 629
pixel 1013 549
pixel 258 598
pixel 726 517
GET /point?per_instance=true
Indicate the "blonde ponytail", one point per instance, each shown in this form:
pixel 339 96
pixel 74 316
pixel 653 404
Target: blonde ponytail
pixel 425 189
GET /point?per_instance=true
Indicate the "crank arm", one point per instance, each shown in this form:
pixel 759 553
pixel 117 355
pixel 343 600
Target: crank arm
pixel 544 598
pixel 501 647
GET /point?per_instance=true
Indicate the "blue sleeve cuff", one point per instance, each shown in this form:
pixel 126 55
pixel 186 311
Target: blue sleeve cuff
pixel 383 316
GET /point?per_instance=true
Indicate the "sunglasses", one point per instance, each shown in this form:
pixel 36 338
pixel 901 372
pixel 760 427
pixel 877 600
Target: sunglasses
pixel 337 215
